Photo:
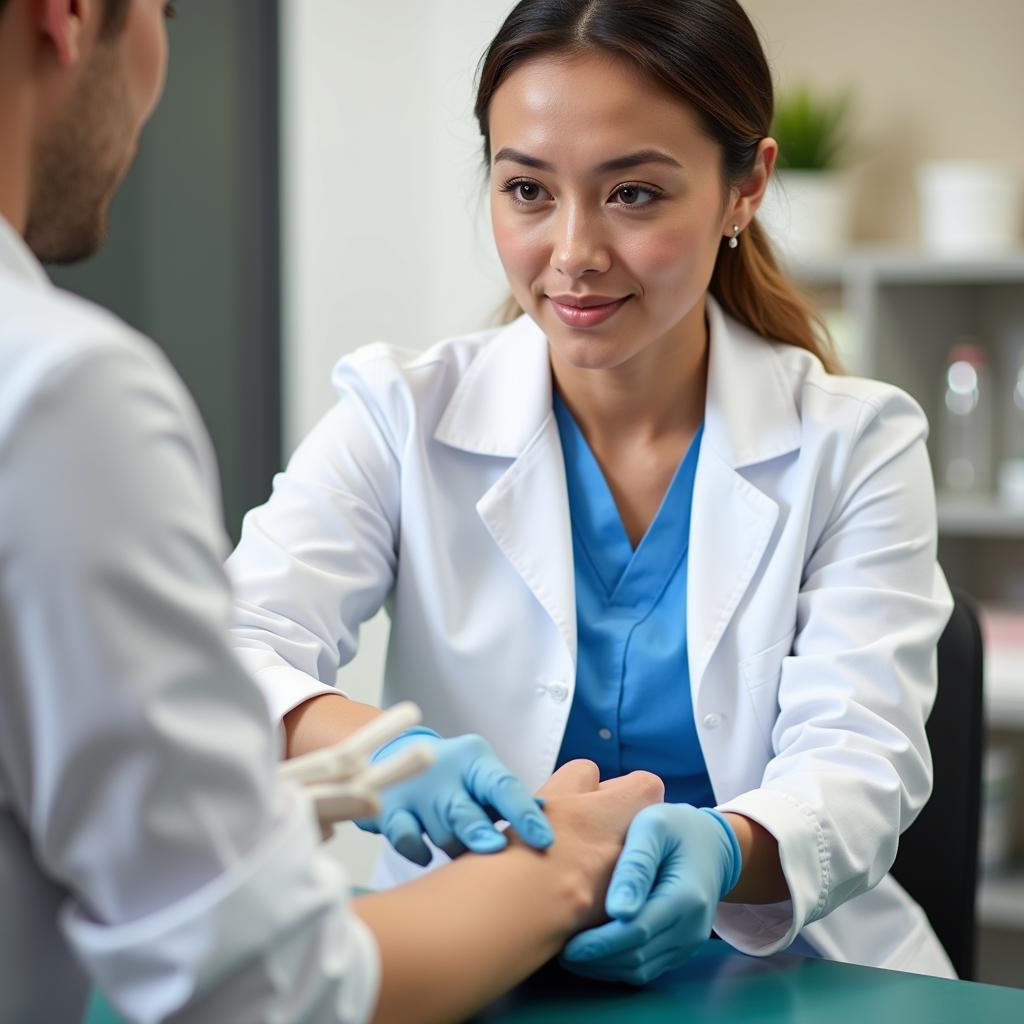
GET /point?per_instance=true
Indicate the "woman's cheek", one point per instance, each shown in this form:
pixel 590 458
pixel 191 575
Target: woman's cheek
pixel 672 256
pixel 520 253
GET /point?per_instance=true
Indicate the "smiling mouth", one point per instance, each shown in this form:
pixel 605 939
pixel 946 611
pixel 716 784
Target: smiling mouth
pixel 596 311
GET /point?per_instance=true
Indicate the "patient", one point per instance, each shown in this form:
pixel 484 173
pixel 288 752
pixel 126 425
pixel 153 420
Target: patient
pixel 146 843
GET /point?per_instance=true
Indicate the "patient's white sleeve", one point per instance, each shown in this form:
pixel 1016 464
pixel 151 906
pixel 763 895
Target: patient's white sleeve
pixel 136 753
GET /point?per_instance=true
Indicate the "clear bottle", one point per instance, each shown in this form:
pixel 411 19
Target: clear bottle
pixel 1011 468
pixel 965 426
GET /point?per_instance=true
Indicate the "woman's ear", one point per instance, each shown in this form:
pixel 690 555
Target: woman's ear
pixel 746 197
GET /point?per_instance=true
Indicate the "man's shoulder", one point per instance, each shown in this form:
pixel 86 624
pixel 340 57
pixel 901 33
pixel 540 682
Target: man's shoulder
pixel 53 320
pixel 45 334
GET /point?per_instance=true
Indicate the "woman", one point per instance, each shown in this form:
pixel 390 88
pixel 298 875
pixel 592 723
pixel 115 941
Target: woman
pixel 646 523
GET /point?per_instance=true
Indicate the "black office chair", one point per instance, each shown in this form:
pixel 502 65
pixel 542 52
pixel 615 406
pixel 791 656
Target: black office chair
pixel 937 861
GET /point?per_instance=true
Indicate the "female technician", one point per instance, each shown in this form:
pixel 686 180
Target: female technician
pixel 646 523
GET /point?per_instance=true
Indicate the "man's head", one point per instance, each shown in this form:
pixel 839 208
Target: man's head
pixel 96 75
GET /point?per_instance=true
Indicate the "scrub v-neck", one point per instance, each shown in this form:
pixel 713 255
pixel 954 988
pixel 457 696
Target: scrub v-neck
pixel 631 707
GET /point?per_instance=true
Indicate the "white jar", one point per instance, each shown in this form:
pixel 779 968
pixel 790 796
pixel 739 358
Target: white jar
pixel 806 214
pixel 969 208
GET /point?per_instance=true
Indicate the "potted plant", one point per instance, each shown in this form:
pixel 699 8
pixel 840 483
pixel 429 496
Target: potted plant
pixel 806 211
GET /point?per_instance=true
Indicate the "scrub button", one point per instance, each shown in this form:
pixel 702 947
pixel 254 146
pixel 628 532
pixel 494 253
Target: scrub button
pixel 712 721
pixel 558 691
pixel 605 734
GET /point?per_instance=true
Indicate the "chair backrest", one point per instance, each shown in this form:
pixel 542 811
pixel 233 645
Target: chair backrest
pixel 937 861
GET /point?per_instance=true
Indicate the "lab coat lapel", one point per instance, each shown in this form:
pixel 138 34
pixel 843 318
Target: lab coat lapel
pixel 502 408
pixel 730 527
pixel 527 514
pixel 750 417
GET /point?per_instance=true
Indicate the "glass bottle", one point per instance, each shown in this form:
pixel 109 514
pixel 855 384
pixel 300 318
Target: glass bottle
pixel 1011 468
pixel 965 422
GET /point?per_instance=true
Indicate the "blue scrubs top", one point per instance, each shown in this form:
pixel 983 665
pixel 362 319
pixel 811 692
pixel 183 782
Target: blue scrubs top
pixel 632 707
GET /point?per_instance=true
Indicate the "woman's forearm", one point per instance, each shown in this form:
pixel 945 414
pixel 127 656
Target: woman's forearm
pixel 323 720
pixel 762 880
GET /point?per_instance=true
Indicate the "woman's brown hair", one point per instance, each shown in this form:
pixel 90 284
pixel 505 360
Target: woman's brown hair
pixel 708 54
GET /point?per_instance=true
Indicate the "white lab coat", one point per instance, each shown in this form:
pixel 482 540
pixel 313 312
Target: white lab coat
pixel 436 487
pixel 145 845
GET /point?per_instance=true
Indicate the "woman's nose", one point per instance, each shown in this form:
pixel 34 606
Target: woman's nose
pixel 577 247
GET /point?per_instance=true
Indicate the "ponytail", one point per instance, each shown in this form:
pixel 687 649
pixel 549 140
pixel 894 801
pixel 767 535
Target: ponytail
pixel 750 287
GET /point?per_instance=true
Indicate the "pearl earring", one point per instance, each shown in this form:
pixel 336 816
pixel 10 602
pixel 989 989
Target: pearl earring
pixel 734 242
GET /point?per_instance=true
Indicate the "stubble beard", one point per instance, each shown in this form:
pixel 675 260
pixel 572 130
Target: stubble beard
pixel 78 165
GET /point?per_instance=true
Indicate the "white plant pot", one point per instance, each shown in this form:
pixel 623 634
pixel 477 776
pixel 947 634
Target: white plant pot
pixel 969 208
pixel 806 214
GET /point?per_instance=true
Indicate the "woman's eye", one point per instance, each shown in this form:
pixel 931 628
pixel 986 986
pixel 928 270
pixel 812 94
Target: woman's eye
pixel 635 195
pixel 526 193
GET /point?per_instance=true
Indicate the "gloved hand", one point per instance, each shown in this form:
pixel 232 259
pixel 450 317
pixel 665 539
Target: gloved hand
pixel 454 801
pixel 677 863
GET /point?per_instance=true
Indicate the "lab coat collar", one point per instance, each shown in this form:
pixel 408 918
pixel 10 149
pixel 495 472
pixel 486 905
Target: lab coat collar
pixel 505 397
pixel 750 414
pixel 16 258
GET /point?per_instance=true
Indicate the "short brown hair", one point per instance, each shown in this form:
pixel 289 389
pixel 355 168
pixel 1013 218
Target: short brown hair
pixel 113 18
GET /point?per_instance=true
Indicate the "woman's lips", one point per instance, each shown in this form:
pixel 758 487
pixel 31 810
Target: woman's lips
pixel 589 315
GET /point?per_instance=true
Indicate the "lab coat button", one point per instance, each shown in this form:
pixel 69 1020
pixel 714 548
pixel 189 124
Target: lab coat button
pixel 605 734
pixel 712 721
pixel 558 691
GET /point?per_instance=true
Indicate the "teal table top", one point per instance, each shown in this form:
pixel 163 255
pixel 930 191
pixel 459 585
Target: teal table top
pixel 722 986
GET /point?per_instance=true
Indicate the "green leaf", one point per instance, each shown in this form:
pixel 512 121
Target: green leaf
pixel 812 131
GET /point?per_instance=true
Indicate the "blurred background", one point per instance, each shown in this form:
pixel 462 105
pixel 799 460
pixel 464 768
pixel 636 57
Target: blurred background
pixel 313 182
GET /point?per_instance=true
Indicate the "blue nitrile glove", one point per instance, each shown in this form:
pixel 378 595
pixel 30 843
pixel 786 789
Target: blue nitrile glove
pixel 455 800
pixel 677 863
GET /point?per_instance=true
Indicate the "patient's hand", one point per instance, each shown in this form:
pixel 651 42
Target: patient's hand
pixel 590 819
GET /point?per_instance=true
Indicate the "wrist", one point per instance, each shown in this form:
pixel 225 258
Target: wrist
pixel 575 870
pixel 565 882
pixel 417 734
pixel 734 854
pixel 763 880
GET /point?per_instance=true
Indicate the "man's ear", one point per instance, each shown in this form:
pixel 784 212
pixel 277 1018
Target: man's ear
pixel 747 196
pixel 64 23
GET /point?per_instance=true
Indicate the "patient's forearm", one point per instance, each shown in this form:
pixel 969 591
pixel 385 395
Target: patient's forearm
pixel 323 720
pixel 454 940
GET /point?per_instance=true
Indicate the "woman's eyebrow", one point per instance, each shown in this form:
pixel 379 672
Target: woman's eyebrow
pixel 619 163
pixel 516 157
pixel 643 156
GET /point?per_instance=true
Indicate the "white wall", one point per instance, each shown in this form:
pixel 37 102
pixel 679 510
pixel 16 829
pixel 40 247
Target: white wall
pixel 385 228
pixel 934 79
pixel 382 183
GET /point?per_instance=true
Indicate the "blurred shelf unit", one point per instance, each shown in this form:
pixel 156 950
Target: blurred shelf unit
pixel 1001 901
pixel 897 312
pixel 900 266
pixel 1004 691
pixel 894 316
pixel 979 517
